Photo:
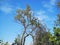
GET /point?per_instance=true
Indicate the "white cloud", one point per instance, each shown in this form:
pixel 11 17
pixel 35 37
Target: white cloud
pixel 40 12
pixel 6 9
pixel 41 15
pixel 52 2
pixel 49 6
pixel 44 17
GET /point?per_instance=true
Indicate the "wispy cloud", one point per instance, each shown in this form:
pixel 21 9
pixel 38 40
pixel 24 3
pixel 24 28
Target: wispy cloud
pixel 41 15
pixel 52 2
pixel 6 9
pixel 50 6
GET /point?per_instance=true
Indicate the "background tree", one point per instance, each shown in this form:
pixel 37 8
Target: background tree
pixel 57 26
pixel 42 37
pixel 1 42
pixel 6 43
pixel 17 40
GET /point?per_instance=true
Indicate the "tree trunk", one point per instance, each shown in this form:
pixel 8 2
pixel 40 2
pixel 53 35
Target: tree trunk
pixel 24 41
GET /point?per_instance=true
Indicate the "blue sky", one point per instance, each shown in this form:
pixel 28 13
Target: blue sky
pixel 44 10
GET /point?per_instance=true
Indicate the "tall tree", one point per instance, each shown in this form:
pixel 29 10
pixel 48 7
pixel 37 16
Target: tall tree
pixel 29 22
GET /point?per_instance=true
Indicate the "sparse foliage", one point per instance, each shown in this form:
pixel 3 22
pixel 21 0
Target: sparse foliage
pixel 30 23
